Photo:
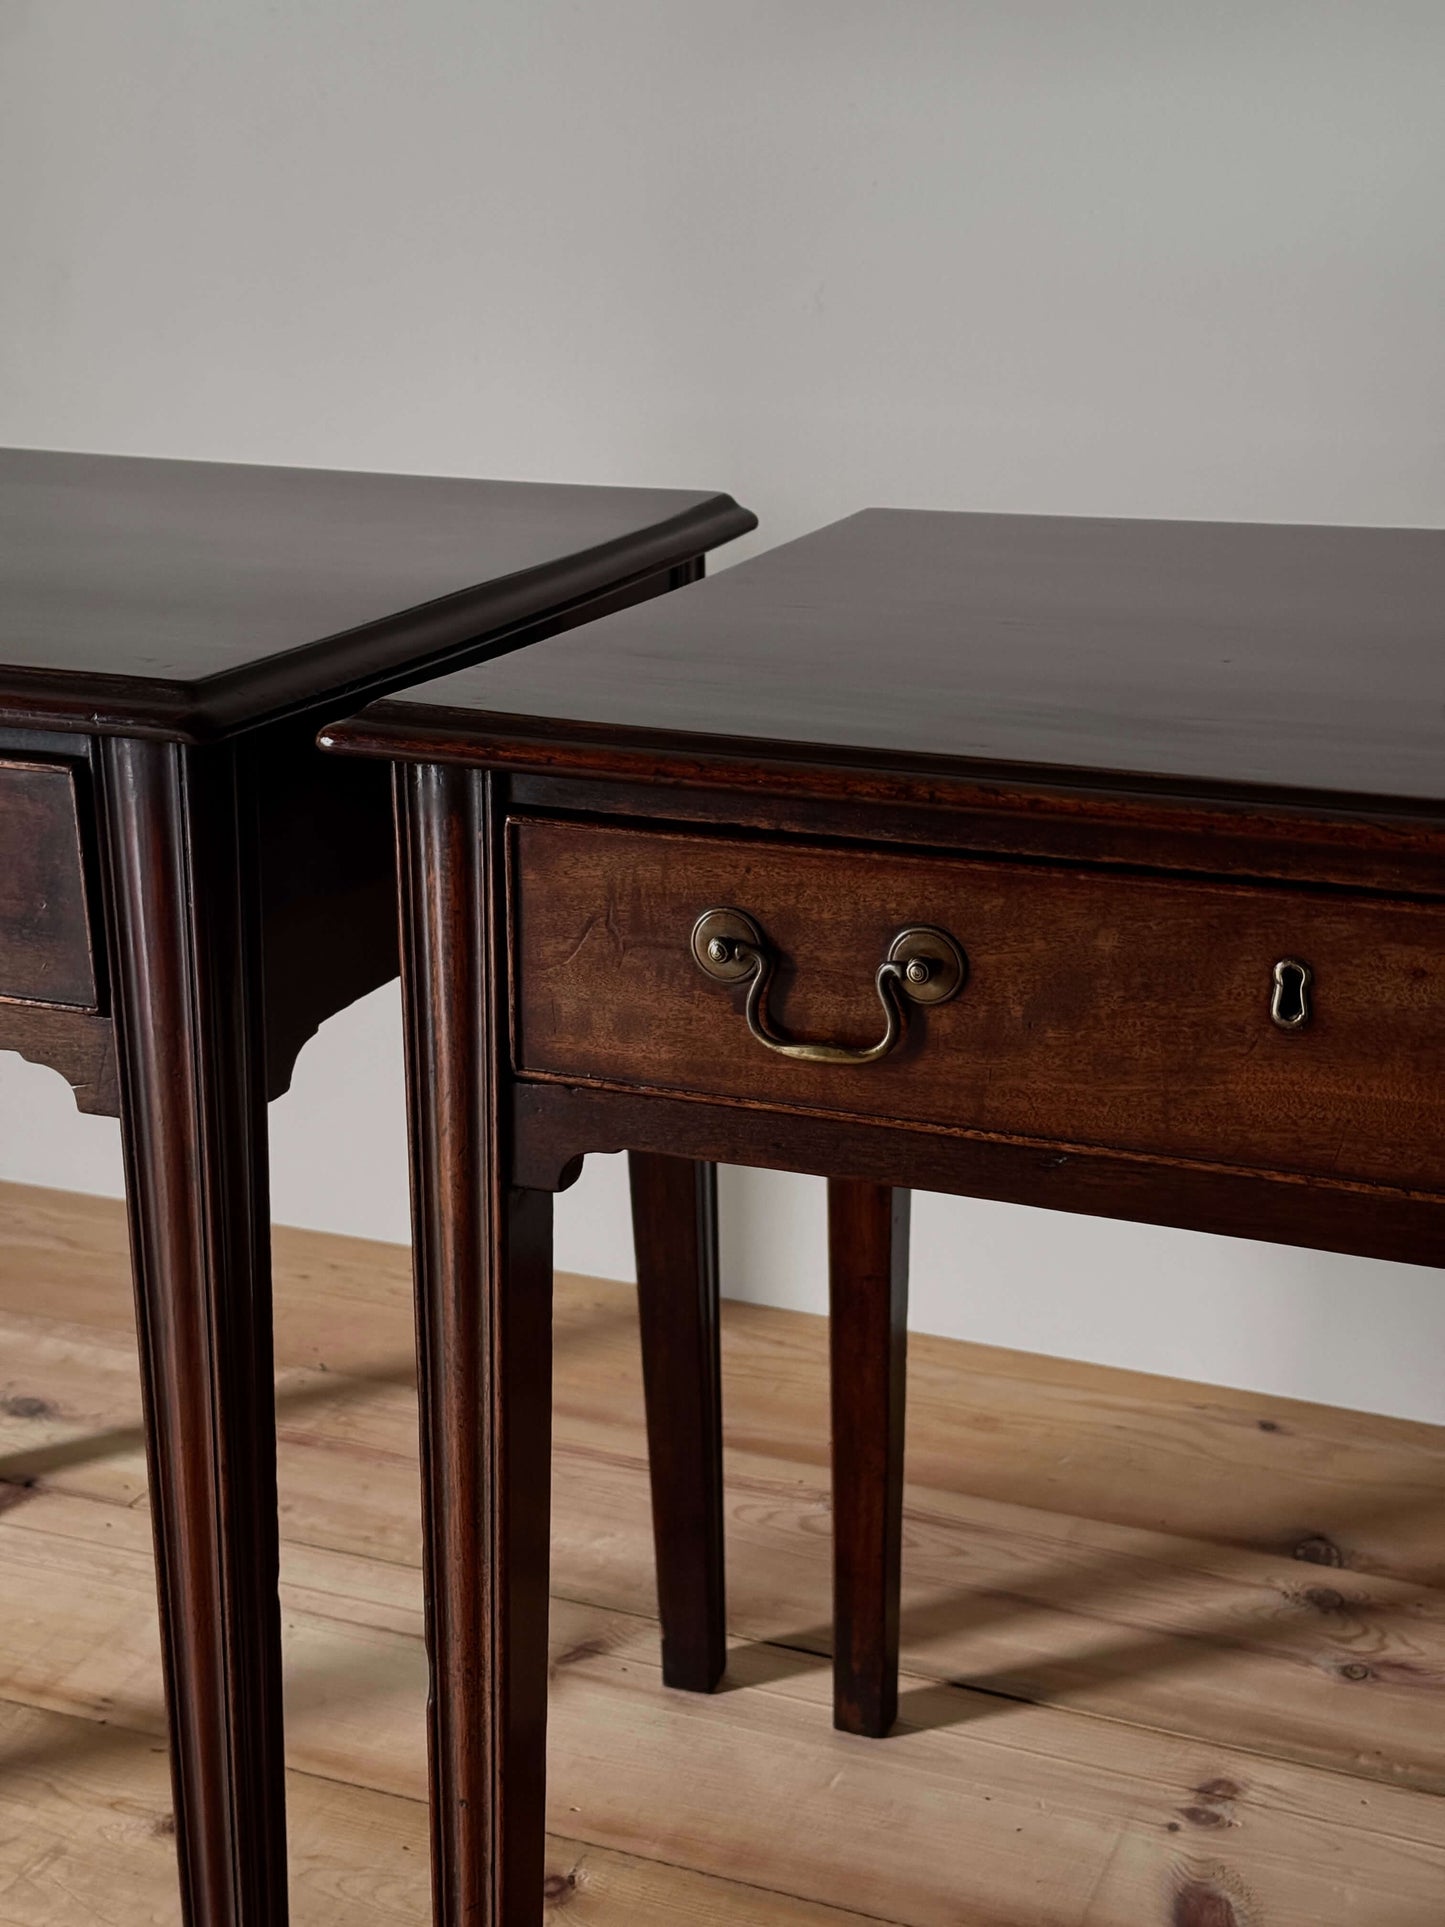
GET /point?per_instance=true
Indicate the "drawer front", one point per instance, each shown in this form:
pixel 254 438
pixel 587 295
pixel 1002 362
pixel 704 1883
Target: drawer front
pixel 45 942
pixel 1098 1009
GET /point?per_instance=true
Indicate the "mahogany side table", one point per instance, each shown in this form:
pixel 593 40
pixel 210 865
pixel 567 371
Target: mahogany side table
pixel 187 889
pixel 1094 865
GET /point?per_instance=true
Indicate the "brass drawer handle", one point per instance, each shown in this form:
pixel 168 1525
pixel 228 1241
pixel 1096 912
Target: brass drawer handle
pixel 923 966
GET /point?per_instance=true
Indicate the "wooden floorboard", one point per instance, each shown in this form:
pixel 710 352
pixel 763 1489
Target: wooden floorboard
pixel 86 1841
pixel 1134 1694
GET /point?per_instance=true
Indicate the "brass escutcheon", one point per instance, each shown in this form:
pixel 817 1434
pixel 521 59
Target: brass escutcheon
pixel 1289 1003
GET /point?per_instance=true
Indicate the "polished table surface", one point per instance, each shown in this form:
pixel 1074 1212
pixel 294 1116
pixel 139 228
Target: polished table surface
pixel 1092 865
pixel 191 598
pixel 1174 655
pixel 187 889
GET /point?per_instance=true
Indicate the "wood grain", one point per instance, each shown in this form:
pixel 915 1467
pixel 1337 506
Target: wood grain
pixel 1207 1561
pixel 179 861
pixel 46 949
pixel 76 1043
pixel 555 1121
pixel 1246 658
pixel 484 1363
pixel 868 1236
pixel 1100 1010
pixel 356 1857
pixel 192 599
pixel 674 1229
pixel 1099 1815
pixel 1122 1681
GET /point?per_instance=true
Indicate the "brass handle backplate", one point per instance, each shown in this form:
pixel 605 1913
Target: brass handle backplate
pixel 922 966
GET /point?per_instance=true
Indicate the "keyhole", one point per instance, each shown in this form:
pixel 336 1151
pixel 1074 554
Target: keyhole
pixel 1290 1004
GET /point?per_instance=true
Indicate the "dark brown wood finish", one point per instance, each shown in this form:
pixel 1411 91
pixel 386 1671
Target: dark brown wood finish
pixel 179 855
pixel 1130 767
pixel 1238 660
pixel 555 1125
pixel 1114 829
pixel 77 1044
pixel 328 892
pixel 868 1363
pixel 674 1217
pixel 1093 1001
pixel 327 868
pixel 244 889
pixel 45 936
pixel 483 1253
pixel 190 599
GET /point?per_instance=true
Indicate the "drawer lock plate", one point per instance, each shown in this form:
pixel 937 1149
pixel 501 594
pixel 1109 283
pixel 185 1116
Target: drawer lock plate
pixel 1289 1004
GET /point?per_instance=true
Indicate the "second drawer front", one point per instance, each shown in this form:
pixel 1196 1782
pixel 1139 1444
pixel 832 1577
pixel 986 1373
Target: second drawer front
pixel 1099 1009
pixel 45 943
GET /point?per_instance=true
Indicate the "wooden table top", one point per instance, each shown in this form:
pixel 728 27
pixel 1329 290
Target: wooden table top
pixel 1195 657
pixel 192 598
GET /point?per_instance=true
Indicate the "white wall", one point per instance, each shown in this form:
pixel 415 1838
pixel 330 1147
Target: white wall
pixel 1135 257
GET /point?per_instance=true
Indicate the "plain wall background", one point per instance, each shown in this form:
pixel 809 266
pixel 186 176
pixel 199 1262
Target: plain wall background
pixel 1134 259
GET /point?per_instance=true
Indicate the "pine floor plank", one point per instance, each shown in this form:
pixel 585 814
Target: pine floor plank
pixel 977 1804
pixel 1191 1635
pixel 1334 1668
pixel 1166 1720
pixel 1278 1476
pixel 86 1840
pixel 87 1835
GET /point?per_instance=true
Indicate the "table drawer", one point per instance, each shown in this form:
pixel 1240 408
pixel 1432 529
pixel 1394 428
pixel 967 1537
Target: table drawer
pixel 1100 1009
pixel 45 941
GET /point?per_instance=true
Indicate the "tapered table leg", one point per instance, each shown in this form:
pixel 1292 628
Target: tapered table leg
pixel 484 1298
pixel 674 1217
pixel 868 1346
pixel 178 853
